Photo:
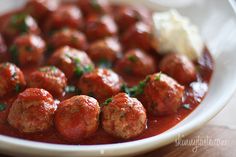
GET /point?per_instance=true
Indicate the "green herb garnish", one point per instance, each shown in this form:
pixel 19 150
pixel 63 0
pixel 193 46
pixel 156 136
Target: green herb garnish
pixel 132 58
pixel 70 89
pixel 135 90
pixel 158 76
pixel 17 88
pixel 107 102
pixel 95 5
pixel 187 106
pixel 2 107
pixel 79 70
pixel 105 64
pixel 29 48
pixel 14 53
pixel 19 22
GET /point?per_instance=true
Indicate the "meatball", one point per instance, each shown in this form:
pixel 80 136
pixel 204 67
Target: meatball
pixel 19 24
pixel 65 16
pixel 163 95
pixel 105 51
pixel 28 49
pixel 179 67
pixel 136 63
pixel 124 117
pixel 77 118
pixel 126 17
pixel 49 78
pixel 3 50
pixel 138 36
pixel 41 8
pixel 100 27
pixel 94 7
pixel 32 111
pixel 71 61
pixel 70 37
pixel 100 83
pixel 11 79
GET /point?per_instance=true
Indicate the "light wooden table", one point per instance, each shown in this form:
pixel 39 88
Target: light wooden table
pixel 222 128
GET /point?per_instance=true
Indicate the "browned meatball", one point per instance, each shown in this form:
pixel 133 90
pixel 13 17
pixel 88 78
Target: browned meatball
pixel 11 79
pixel 138 36
pixel 3 50
pixel 100 83
pixel 70 37
pixel 136 63
pixel 41 8
pixel 28 49
pixel 126 17
pixel 163 95
pixel 19 24
pixel 94 7
pixel 32 111
pixel 100 27
pixel 71 61
pixel 65 16
pixel 105 51
pixel 123 116
pixel 77 118
pixel 49 78
pixel 179 67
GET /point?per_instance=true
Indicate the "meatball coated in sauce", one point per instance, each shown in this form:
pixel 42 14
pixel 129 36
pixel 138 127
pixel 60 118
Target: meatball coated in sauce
pixel 94 7
pixel 126 17
pixel 71 61
pixel 77 118
pixel 28 49
pixel 65 16
pixel 137 36
pixel 100 83
pixel 11 79
pixel 105 51
pixel 70 37
pixel 41 8
pixel 179 67
pixel 137 63
pixel 124 117
pixel 19 24
pixel 32 111
pixel 100 27
pixel 49 78
pixel 163 95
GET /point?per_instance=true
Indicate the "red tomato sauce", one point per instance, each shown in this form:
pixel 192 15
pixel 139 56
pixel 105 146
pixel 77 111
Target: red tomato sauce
pixel 194 94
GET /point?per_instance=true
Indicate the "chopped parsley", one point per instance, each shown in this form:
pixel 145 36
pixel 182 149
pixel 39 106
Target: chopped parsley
pixel 29 48
pixel 135 90
pixel 17 88
pixel 74 39
pixel 95 5
pixel 18 22
pixel 105 64
pixel 109 100
pixel 46 69
pixel 158 77
pixel 70 89
pixel 2 107
pixel 132 58
pixel 79 70
pixel 14 53
pixel 186 106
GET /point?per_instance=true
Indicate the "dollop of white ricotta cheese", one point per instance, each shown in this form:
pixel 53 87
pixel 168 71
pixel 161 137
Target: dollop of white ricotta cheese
pixel 174 33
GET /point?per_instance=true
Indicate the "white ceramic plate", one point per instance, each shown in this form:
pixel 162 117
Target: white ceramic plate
pixel 217 23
